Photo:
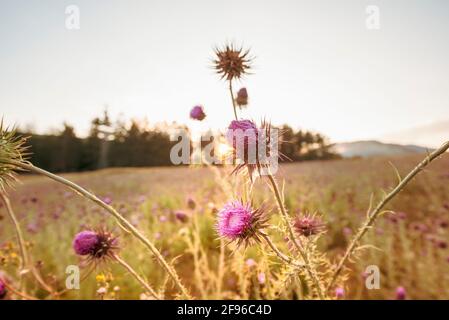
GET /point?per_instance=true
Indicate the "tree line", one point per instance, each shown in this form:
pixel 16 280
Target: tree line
pixel 134 144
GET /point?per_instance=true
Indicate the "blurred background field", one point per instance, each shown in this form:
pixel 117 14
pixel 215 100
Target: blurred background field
pixel 176 208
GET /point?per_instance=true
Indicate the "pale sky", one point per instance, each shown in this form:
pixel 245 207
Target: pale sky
pixel 317 65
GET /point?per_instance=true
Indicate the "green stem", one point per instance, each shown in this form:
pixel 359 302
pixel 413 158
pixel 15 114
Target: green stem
pixel 121 220
pixel 25 262
pixel 20 240
pixel 281 256
pixel 372 216
pixel 298 245
pixel 233 100
pixel 136 275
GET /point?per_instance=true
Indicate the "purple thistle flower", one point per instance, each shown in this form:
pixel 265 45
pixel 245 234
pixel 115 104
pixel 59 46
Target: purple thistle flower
pixel 95 244
pixel 339 293
pixel 238 221
pixel 197 113
pixel 400 293
pixel 253 146
pixel 308 225
pixel 234 220
pixel 3 290
pixel 191 203
pixel 181 216
pixel 242 132
pixel 85 242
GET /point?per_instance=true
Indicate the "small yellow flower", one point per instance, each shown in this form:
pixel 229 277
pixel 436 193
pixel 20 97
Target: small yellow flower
pixel 100 278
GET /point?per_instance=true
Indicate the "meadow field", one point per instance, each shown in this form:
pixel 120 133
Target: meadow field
pixel 176 208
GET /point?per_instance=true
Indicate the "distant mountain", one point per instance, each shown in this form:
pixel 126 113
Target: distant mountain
pixel 432 135
pixel 372 148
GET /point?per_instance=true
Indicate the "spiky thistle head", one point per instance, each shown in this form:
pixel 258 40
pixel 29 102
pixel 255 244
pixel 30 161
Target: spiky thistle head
pixel 239 222
pixel 197 113
pixel 255 148
pixel 96 245
pixel 12 149
pixel 308 225
pixel 232 62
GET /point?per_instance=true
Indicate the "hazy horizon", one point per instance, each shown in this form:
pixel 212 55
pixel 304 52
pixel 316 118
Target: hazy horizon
pixel 317 66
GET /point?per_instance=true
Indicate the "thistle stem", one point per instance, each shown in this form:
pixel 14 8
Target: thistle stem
pixel 233 100
pixel 18 293
pixel 25 263
pixel 120 219
pixel 276 250
pixel 18 231
pixel 136 275
pixel 298 245
pixel 373 215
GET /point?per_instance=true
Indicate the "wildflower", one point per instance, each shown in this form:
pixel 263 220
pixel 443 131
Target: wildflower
pixel 250 263
pixel 3 290
pixel 181 216
pixel 400 293
pixel 239 222
pixel 96 245
pixel 261 278
pixel 107 200
pixel 100 278
pixel 252 146
pixel 308 225
pixel 443 223
pixel 197 113
pixel 347 231
pixel 419 227
pixel 339 293
pixel 102 291
pixel 242 98
pixel 191 204
pixel 402 215
pixel 442 244
pixel 231 62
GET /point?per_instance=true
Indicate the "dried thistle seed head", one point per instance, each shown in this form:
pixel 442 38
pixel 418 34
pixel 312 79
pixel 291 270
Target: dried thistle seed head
pixel 308 225
pixel 12 149
pixel 242 98
pixel 197 113
pixel 239 222
pixel 95 245
pixel 231 62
